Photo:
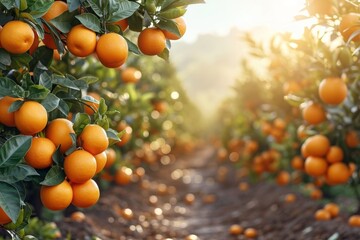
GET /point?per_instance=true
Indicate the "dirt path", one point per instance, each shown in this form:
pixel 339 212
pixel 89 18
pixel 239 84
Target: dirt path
pixel 161 211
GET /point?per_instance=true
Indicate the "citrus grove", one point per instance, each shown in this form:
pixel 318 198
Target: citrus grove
pixel 65 118
pixel 297 122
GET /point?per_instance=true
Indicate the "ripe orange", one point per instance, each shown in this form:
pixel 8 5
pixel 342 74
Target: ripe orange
pixel 17 37
pixel 58 131
pixel 297 163
pixel 123 175
pixel 125 138
pixel 291 87
pixel 181 25
pixel 78 216
pixel 56 197
pixel 130 75
pixel 279 123
pixel 111 157
pixel 289 198
pixel 332 90
pixel 93 139
pixel 35 44
pixel 85 194
pixel 31 118
pixel 250 233
pixel 79 166
pixel 317 145
pixel 348 25
pixel 95 106
pixel 333 209
pixel 316 194
pixel 40 153
pixel 315 166
pixel 283 178
pixel 338 173
pixel 236 229
pixel 352 139
pixel 116 55
pixel 6 117
pixel 354 221
pixel 335 154
pixel 123 24
pixel 160 106
pixel 101 160
pixel 56 9
pixel 81 41
pixel 313 113
pixel 151 41
pixel 4 218
pixel 322 215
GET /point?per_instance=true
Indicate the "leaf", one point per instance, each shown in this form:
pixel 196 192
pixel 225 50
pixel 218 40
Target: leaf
pixel 102 109
pixel 89 79
pixel 5 57
pixel 73 5
pixel 112 136
pixel 165 54
pixel 65 82
pixel 45 80
pixel 9 4
pixel 81 120
pixel 170 26
pixel 38 92
pixel 64 21
pixel 58 157
pixel 15 105
pixel 179 3
pixel 172 13
pixel 95 6
pixel 51 102
pixel 90 21
pixel 39 8
pixel 132 47
pixel 10 200
pixel 125 10
pixel 17 173
pixel 55 176
pixel 20 60
pixel 9 88
pixel 14 150
pixel 135 22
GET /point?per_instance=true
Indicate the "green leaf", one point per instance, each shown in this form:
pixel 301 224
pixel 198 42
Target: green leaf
pixel 9 88
pixel 135 22
pixel 170 26
pixel 45 80
pixel 15 105
pixel 172 13
pixel 95 6
pixel 103 122
pixel 65 82
pixel 17 173
pixel 81 120
pixel 73 5
pixel 58 157
pixel 64 21
pixel 89 79
pixel 125 9
pixel 132 47
pixel 10 200
pixel 39 8
pixel 179 3
pixel 112 136
pixel 14 150
pixel 165 54
pixel 90 21
pixel 56 37
pixel 51 102
pixel 55 176
pixel 5 57
pixel 20 60
pixel 9 4
pixel 38 92
pixel 102 107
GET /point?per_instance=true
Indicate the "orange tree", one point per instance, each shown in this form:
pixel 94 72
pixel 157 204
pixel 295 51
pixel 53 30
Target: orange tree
pixel 47 119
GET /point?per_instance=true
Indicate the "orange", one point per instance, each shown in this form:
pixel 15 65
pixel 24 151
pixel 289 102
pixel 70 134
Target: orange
pixel 58 131
pixel 17 37
pixel 79 166
pixel 111 157
pixel 116 55
pixel 81 41
pixel 93 139
pixel 6 117
pixel 322 215
pixel 332 90
pixel 40 153
pixel 279 123
pixel 31 118
pixel 85 194
pixel 4 218
pixel 56 197
pixel 354 221
pixel 95 106
pixel 297 163
pixel 250 233
pixel 123 24
pixel 160 106
pixel 123 175
pixel 301 132
pixel 315 166
pixel 338 173
pixel 56 9
pixel 181 25
pixel 333 209
pixel 352 139
pixel 317 145
pixel 335 154
pixel 283 178
pixel 316 194
pixel 151 41
pixel 348 25
pixel 236 229
pixel 321 7
pixel 125 138
pixel 130 75
pixel 289 198
pixel 291 87
pixel 35 44
pixel 78 216
pixel 101 160
pixel 313 113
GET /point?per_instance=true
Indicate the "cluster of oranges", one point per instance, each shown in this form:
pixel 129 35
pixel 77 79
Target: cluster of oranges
pixel 111 48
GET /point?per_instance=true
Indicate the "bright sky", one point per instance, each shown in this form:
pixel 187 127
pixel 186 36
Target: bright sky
pixel 220 16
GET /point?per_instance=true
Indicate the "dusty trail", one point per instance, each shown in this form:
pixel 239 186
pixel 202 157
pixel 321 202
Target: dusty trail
pixel 160 210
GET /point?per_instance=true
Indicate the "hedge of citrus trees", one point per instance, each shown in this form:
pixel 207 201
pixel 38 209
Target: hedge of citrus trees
pixel 62 100
pixel 297 119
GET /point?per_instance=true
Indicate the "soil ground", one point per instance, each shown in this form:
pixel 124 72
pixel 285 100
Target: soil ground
pixel 160 210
